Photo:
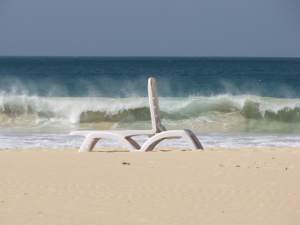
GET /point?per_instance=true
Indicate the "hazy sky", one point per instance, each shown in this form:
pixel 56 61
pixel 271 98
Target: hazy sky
pixel 150 28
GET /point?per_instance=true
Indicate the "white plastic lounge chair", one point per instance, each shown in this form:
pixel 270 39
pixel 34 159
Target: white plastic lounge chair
pixel 156 135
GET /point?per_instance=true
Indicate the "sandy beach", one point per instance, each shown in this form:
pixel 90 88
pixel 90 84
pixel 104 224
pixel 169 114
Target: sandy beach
pixel 168 186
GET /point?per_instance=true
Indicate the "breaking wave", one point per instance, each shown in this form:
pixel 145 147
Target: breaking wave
pixel 222 113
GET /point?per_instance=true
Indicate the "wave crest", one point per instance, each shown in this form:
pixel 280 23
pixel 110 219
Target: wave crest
pixel 223 113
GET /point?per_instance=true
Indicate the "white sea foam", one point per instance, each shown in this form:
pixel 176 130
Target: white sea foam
pixel 220 114
pixel 208 140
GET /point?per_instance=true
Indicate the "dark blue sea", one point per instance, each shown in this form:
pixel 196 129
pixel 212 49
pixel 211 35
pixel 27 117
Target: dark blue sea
pixel 230 102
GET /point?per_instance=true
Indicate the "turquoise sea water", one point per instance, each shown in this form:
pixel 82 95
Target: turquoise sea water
pixel 234 102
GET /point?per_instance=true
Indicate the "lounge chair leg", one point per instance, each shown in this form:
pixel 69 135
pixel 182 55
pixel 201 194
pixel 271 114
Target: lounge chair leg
pixel 92 139
pixel 193 141
pixel 152 145
pixel 88 144
pixel 187 135
pixel 133 142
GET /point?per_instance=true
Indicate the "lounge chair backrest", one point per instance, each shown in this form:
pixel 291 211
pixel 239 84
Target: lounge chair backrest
pixel 154 106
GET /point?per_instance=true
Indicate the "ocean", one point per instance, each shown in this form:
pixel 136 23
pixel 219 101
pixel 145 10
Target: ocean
pixel 229 102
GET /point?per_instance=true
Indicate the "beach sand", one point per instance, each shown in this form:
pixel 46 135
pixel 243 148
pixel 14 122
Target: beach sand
pixel 168 186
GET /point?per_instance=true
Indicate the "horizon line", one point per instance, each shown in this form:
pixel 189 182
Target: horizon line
pixel 95 56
